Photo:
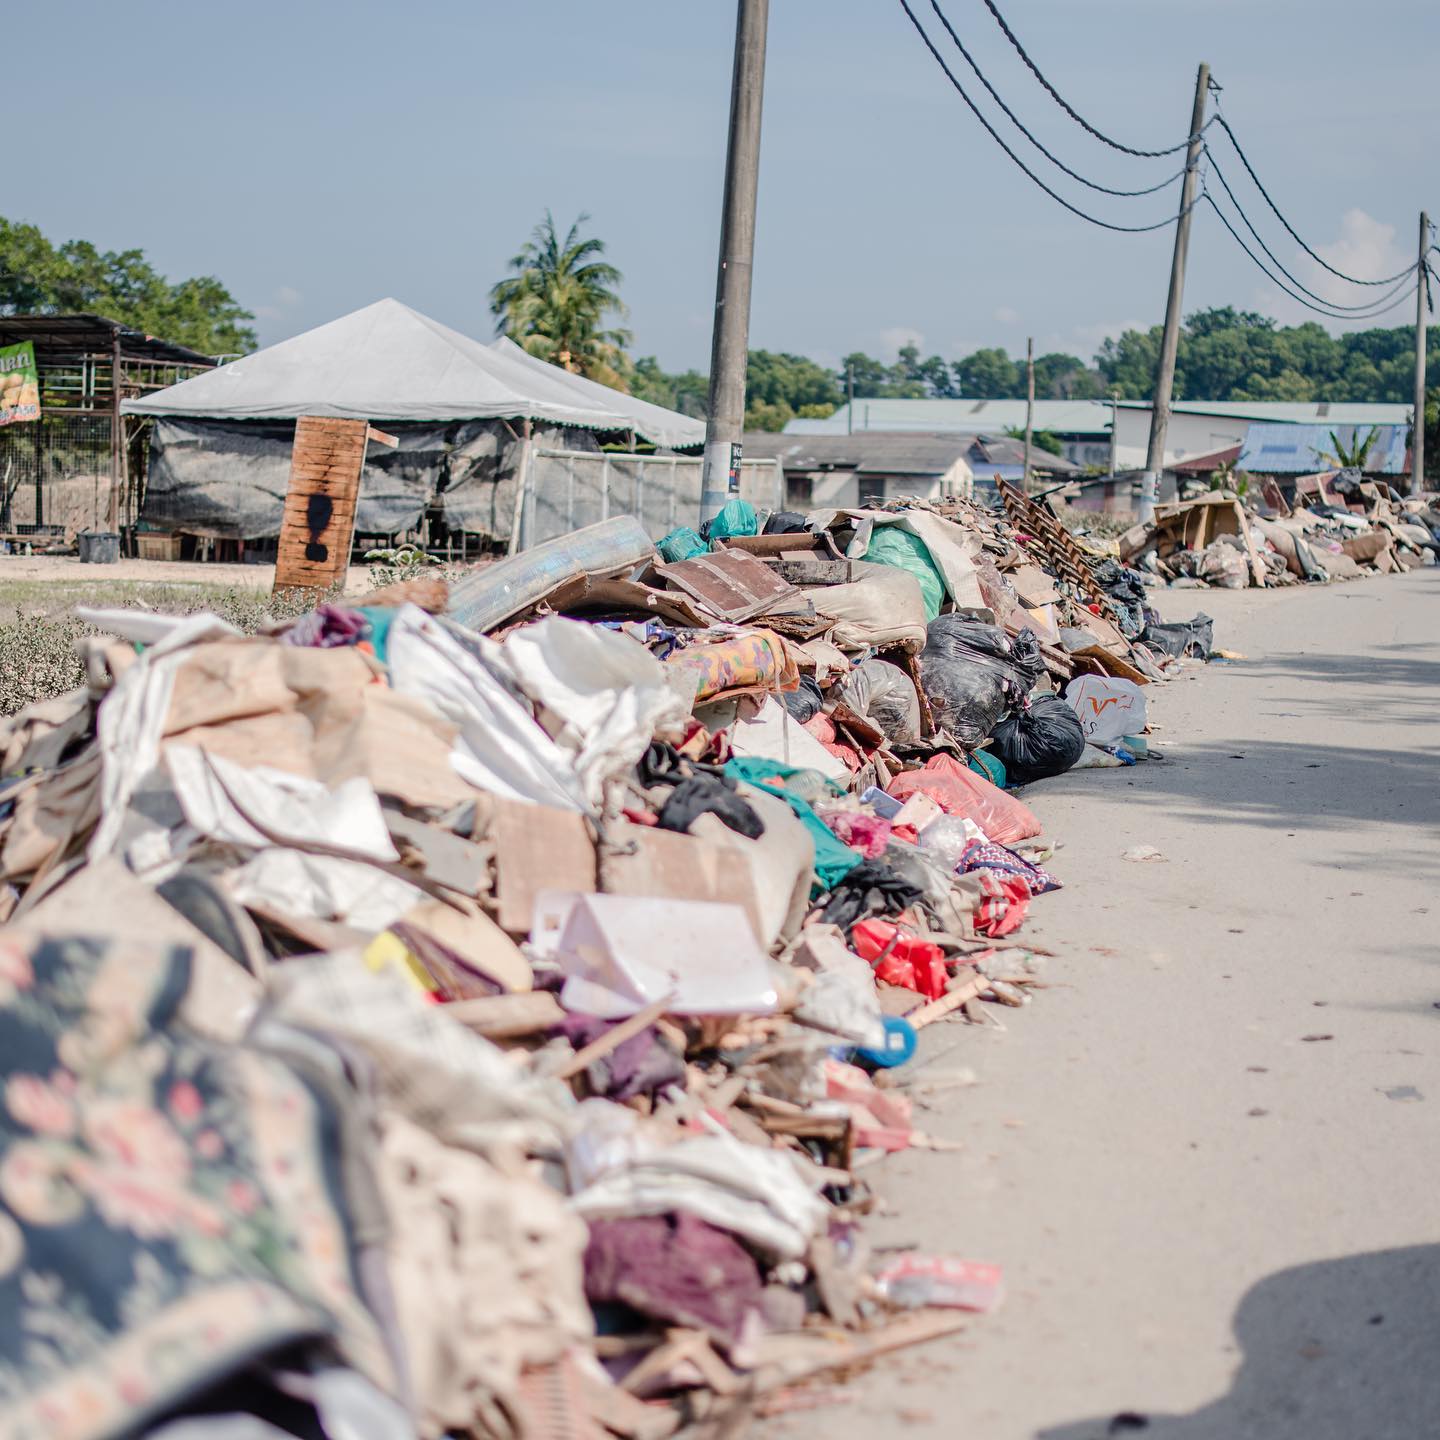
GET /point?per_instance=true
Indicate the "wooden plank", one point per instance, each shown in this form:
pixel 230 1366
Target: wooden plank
pixel 318 522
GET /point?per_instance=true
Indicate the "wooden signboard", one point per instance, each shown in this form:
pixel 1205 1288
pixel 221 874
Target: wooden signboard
pixel 319 520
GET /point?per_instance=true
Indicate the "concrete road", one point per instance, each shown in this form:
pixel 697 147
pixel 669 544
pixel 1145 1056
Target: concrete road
pixel 1209 1157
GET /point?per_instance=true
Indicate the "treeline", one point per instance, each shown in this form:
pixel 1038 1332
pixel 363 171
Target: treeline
pixel 38 277
pixel 1225 354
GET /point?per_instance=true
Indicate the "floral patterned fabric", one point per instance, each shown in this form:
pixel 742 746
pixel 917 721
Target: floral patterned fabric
pixel 168 1206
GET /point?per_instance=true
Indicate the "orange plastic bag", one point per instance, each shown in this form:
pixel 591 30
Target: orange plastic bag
pixel 958 790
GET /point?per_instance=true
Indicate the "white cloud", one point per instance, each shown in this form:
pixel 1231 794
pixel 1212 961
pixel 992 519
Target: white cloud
pixel 898 335
pixel 1366 248
pixel 1006 316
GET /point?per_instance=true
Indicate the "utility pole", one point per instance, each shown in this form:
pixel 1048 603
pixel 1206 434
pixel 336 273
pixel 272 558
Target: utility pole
pixel 1422 295
pixel 729 345
pixel 849 397
pixel 1170 344
pixel 1114 429
pixel 1029 405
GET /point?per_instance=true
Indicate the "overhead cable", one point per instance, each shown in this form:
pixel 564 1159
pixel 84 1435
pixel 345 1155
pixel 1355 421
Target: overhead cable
pixel 1069 109
pixel 1384 308
pixel 1020 126
pixel 1319 259
pixel 1369 304
pixel 1000 141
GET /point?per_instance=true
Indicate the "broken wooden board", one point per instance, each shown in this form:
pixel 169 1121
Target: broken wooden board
pixel 318 524
pixel 729 584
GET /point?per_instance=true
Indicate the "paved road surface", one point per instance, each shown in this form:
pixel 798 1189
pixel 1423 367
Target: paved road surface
pixel 1208 1221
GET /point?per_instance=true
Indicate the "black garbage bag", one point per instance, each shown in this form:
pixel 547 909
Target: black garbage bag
pixel 806 702
pixel 884 693
pixel 1195 638
pixel 1127 594
pixel 787 522
pixel 1038 742
pixel 973 673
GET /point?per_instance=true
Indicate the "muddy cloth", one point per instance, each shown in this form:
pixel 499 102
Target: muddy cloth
pixel 987 855
pixel 173 1209
pixel 674 1268
pixel 871 888
pixel 640 1065
pixel 709 795
pixel 1042 740
pixel 663 764
pixel 1195 638
pixel 327 626
pixel 973 673
pixel 1127 594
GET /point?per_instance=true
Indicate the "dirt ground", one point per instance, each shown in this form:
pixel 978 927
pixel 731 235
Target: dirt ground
pixel 67 570
pixel 1207 1157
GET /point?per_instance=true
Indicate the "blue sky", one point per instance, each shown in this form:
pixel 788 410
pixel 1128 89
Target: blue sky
pixel 317 156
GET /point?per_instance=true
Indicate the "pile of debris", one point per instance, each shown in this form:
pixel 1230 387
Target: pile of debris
pixel 475 1012
pixel 1340 526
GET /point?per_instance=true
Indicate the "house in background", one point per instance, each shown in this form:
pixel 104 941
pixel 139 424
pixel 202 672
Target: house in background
pixel 872 467
pixel 1304 449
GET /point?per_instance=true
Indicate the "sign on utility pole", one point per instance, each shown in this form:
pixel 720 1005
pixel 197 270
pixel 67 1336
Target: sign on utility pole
pixel 1422 296
pixel 1170 342
pixel 730 343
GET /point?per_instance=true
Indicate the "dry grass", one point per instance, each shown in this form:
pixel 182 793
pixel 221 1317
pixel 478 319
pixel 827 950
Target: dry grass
pixel 39 629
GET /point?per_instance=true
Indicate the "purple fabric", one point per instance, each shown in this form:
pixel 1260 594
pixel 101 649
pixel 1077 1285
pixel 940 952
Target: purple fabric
pixel 326 627
pixel 674 1268
pixel 1000 858
pixel 640 1065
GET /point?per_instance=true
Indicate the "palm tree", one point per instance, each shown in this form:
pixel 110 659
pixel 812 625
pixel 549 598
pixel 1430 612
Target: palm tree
pixel 1353 456
pixel 555 301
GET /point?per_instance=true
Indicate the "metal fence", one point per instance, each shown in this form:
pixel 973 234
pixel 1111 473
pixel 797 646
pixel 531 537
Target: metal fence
pixel 55 474
pixel 568 489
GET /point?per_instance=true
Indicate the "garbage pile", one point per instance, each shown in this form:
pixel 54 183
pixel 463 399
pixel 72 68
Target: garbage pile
pixel 1340 526
pixel 475 1011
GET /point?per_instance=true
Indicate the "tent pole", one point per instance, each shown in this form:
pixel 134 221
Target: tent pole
pixel 522 478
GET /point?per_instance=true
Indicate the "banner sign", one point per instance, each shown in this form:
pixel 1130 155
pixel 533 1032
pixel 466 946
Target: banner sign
pixel 19 384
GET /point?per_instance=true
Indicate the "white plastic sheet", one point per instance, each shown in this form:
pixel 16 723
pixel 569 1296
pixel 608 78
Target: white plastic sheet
pixel 1107 708
pixel 774 734
pixel 621 952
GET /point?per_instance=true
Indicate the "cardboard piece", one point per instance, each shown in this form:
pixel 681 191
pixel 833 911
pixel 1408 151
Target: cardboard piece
pixel 319 519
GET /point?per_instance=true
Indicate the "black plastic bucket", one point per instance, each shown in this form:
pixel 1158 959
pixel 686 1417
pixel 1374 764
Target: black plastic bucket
pixel 98 547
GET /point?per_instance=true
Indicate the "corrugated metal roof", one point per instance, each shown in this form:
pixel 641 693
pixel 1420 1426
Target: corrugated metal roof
pixel 992 417
pixel 1291 412
pixel 1280 449
pixel 891 452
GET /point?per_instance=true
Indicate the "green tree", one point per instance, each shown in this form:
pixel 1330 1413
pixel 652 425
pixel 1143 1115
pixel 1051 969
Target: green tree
pixel 1064 377
pixel 777 378
pixel 871 377
pixel 989 374
pixel 688 392
pixel 555 302
pixel 1039 439
pixel 38 278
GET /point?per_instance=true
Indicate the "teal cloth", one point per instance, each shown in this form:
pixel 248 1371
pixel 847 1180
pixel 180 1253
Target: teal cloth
pixel 737 517
pixel 890 545
pixel 681 544
pixel 833 861
pixel 990 765
pixel 379 618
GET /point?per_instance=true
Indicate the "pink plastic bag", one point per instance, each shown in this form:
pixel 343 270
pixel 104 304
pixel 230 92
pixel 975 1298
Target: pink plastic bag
pixel 958 790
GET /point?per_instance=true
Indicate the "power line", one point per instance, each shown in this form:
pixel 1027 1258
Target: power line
pixel 999 140
pixel 1069 109
pixel 1279 264
pixel 1319 259
pixel 1019 125
pixel 1384 308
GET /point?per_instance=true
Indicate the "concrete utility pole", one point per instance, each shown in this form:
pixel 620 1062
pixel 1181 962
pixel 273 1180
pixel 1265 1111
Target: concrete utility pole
pixel 1422 295
pixel 729 345
pixel 1029 405
pixel 1170 344
pixel 1114 429
pixel 850 397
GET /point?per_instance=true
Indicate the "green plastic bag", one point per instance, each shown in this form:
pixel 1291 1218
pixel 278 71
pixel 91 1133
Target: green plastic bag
pixel 736 518
pixel 990 765
pixel 890 545
pixel 681 544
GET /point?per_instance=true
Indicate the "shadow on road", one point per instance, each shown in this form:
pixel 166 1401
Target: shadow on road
pixel 1340 1350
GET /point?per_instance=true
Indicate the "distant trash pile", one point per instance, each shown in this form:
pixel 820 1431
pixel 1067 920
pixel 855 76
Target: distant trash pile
pixel 475 1010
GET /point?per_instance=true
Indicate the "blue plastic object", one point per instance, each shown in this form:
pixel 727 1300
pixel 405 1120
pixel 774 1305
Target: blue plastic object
pixel 900 1042
pixel 681 544
pixel 736 517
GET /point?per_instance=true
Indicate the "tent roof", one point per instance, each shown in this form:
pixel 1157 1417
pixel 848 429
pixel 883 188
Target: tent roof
pixel 657 424
pixel 385 362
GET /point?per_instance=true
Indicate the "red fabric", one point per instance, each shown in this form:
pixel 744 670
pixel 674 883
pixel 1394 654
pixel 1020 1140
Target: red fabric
pixel 958 790
pixel 1002 907
pixel 909 961
pixel 822 727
